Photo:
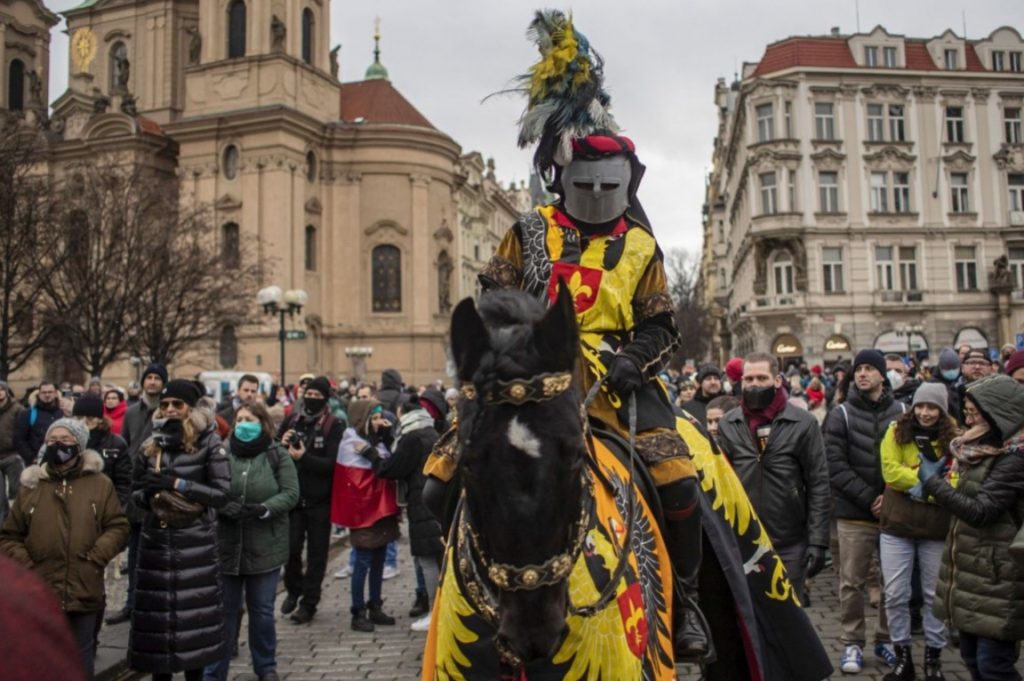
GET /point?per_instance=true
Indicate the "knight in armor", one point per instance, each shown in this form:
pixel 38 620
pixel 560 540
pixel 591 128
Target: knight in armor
pixel 597 239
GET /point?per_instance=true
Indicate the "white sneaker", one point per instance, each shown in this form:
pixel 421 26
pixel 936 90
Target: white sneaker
pixel 422 624
pixel 344 572
pixel 852 661
pixel 390 572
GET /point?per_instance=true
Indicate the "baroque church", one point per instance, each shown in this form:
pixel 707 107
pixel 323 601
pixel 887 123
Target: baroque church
pixel 361 201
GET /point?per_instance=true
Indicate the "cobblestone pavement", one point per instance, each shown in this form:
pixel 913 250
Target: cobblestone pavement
pixel 327 649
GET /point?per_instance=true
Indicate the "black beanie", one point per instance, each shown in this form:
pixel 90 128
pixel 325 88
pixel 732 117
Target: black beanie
pixel 156 368
pixel 871 357
pixel 184 390
pixel 88 405
pixel 321 385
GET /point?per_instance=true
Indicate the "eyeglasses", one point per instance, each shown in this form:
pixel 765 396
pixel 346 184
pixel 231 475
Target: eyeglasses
pixel 176 404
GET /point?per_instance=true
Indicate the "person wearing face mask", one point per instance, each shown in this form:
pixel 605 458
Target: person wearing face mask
pixel 66 525
pixel 177 620
pixel 853 431
pixel 366 504
pixel 777 452
pixel 312 435
pixel 30 430
pixel 948 375
pixel 253 535
pixel 913 528
pixel 11 463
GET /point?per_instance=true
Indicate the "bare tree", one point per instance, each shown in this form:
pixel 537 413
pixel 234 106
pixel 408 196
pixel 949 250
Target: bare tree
pixel 683 270
pixel 26 246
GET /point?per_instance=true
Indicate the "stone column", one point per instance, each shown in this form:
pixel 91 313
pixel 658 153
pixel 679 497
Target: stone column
pixel 420 255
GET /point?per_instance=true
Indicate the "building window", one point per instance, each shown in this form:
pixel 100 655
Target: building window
pixel 889 54
pixel 765 123
pixel 16 85
pixel 908 268
pixel 897 132
pixel 879 193
pixel 1016 183
pixel 954 124
pixel 310 248
pixel 832 269
pixel 998 61
pixel 951 60
pixel 387 278
pixel 791 190
pixel 230 246
pixel 118 57
pixel 958 191
pixel 870 55
pixel 966 268
pixel 228 347
pixel 236 29
pixel 824 121
pixel 1016 256
pixel 311 166
pixel 1015 61
pixel 876 123
pixel 788 118
pixel 307 35
pixel 783 270
pixel 769 199
pixel 476 252
pixel 901 192
pixel 229 162
pixel 1011 123
pixel 828 191
pixel 884 267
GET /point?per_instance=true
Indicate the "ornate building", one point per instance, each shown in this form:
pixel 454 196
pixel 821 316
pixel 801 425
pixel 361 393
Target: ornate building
pixel 354 196
pixel 863 188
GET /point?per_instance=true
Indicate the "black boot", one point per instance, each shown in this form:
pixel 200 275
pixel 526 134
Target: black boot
pixel 359 620
pixel 377 615
pixel 421 606
pixel 903 670
pixel 681 507
pixel 933 664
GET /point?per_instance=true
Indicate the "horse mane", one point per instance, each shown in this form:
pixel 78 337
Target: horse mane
pixel 510 317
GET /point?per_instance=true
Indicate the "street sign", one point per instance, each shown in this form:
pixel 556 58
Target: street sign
pixel 295 335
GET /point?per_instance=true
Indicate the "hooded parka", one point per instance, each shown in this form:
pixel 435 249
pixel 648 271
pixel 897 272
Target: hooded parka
pixel 177 621
pixel 66 528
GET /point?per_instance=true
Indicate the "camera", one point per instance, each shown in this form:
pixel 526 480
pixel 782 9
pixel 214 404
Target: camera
pixel 303 430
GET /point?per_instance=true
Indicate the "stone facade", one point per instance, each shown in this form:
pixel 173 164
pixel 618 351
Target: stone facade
pixel 353 194
pixel 862 189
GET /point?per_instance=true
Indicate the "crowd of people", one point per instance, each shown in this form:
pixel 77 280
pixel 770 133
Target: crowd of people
pixel 215 504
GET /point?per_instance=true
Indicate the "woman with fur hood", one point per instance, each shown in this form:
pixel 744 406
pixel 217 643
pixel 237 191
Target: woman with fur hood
pixel 177 621
pixel 65 525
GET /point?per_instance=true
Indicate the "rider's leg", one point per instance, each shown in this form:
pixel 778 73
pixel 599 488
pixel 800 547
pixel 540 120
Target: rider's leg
pixel 680 504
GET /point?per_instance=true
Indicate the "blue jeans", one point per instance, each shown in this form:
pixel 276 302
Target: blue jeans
pixel 898 556
pixel 421 584
pixel 369 564
pixel 260 591
pixel 989 659
pixel 392 557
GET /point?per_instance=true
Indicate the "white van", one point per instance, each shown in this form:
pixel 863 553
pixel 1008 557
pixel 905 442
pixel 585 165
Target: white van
pixel 219 383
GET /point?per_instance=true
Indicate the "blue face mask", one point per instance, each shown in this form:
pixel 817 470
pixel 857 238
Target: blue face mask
pixel 247 431
pixel 950 374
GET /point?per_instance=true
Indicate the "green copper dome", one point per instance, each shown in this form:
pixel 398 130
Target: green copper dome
pixel 376 70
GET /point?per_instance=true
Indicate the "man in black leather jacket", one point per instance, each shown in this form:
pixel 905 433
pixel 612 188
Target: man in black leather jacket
pixel 778 454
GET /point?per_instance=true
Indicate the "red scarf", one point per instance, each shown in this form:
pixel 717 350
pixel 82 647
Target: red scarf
pixel 757 419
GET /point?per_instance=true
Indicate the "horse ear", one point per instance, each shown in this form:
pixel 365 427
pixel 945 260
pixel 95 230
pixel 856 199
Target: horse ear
pixel 556 334
pixel 470 339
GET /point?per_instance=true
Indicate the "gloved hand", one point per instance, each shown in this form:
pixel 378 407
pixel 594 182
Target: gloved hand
pixel 917 491
pixel 814 560
pixel 252 511
pixel 928 467
pixel 624 376
pixel 231 510
pixel 154 482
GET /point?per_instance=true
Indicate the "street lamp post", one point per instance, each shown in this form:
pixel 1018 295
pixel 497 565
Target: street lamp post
pixel 276 302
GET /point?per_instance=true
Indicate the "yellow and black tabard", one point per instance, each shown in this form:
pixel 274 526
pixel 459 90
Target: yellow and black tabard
pixel 618 282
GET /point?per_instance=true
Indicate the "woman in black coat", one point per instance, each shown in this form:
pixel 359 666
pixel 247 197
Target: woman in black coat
pixel 177 622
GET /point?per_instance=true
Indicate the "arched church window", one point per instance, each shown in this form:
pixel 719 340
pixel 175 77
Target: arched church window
pixel 228 347
pixel 236 29
pixel 310 248
pixel 311 167
pixel 118 62
pixel 308 23
pixel 230 245
pixel 230 162
pixel 387 278
pixel 16 85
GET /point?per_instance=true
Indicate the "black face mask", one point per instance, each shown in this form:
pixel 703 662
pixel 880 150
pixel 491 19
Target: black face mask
pixel 168 433
pixel 59 454
pixel 314 405
pixel 757 399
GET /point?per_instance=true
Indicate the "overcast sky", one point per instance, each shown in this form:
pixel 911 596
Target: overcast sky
pixel 662 58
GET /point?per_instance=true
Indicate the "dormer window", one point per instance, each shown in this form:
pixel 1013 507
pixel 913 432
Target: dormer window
pixel 889 56
pixel 1015 62
pixel 870 55
pixel 952 61
pixel 998 61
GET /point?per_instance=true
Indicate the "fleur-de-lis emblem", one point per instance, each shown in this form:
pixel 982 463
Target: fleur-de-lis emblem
pixel 578 288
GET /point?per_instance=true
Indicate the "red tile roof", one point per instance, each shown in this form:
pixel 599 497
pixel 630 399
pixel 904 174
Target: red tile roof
pixel 973 62
pixel 834 52
pixel 917 56
pixel 377 101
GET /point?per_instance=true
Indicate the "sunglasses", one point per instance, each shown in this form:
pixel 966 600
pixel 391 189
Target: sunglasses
pixel 177 404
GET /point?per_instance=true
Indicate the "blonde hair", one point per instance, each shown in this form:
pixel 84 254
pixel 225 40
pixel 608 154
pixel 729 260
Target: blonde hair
pixel 189 434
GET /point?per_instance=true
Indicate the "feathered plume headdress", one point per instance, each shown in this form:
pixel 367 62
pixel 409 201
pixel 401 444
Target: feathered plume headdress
pixel 566 97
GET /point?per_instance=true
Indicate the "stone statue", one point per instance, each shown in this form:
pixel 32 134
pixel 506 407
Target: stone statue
pixel 122 71
pixel 128 106
pixel 1002 277
pixel 195 44
pixel 278 31
pixel 334 61
pixel 444 282
pixel 100 102
pixel 35 88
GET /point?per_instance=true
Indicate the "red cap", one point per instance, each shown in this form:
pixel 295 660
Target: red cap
pixel 816 369
pixel 734 369
pixel 1015 362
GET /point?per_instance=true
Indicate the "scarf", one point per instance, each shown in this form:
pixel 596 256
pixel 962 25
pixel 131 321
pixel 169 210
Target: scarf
pixel 247 450
pixel 417 419
pixel 967 450
pixel 932 432
pixel 756 419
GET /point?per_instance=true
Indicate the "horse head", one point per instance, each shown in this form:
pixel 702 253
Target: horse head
pixel 522 454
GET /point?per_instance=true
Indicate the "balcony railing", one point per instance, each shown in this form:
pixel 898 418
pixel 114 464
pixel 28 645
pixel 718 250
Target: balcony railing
pixel 893 297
